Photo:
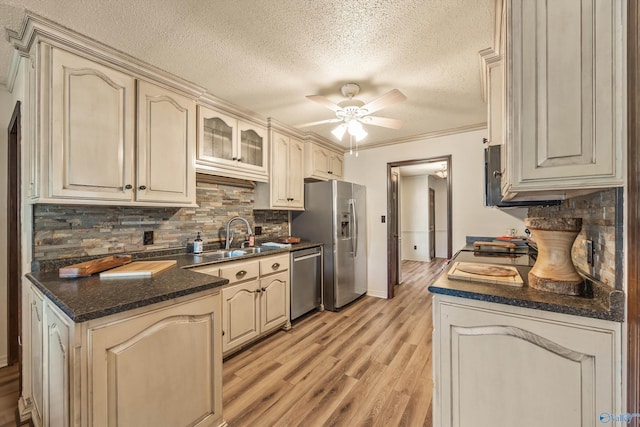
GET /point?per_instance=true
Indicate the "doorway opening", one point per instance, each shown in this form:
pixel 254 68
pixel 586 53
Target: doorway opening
pixel 428 234
pixel 13 239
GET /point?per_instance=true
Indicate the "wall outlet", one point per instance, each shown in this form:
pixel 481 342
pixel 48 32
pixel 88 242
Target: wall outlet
pixel 147 238
pixel 257 230
pixel 590 252
pixel 415 247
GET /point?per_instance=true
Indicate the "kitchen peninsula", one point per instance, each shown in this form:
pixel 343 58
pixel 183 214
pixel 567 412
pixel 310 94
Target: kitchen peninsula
pixel 562 351
pixel 108 344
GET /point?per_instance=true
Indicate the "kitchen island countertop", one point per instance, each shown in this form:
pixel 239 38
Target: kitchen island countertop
pixel 606 303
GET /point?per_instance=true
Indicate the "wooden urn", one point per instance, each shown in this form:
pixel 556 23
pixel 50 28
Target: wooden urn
pixel 553 270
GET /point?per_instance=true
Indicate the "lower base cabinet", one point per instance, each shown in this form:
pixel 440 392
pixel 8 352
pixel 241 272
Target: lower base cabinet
pixel 497 365
pixel 159 365
pixel 255 302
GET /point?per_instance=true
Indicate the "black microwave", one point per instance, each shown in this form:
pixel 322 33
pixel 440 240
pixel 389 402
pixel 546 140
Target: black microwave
pixel 493 181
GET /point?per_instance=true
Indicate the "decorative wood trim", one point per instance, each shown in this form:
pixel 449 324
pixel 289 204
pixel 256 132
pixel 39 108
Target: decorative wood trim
pixel 223 180
pixel 633 209
pixel 525 335
pixel 487 57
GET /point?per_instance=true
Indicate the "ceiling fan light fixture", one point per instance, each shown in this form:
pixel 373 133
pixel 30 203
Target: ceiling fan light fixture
pixel 360 134
pixel 339 131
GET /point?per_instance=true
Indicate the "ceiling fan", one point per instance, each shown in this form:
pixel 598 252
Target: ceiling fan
pixel 353 113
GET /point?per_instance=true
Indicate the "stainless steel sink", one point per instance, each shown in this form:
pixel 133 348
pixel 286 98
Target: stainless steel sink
pixel 255 250
pixel 221 254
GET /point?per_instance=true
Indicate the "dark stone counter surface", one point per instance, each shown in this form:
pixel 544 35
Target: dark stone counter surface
pixel 602 303
pixel 90 298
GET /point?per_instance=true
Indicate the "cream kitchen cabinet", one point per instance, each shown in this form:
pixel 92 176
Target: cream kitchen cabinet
pixel 497 365
pixel 565 95
pixel 50 359
pixel 156 365
pixel 256 300
pixel 36 359
pixel 285 189
pixel 322 163
pixel 88 148
pixel 232 147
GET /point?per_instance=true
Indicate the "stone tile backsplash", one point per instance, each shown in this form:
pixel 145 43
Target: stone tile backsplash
pixel 64 231
pixel 601 215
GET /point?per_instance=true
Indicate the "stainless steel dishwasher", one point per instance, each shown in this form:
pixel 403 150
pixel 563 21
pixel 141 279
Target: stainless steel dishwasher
pixel 306 281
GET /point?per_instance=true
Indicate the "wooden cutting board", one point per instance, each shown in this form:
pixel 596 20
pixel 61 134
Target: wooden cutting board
pixel 138 269
pixel 87 268
pixel 486 273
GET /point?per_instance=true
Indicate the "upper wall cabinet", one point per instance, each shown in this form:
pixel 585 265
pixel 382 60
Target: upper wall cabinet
pixel 231 147
pixel 285 189
pixel 321 163
pixel 166 146
pixel 565 104
pixel 105 136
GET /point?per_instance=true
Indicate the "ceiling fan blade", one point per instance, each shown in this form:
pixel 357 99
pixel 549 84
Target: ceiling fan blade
pixel 320 122
pixel 392 97
pixel 383 121
pixel 324 101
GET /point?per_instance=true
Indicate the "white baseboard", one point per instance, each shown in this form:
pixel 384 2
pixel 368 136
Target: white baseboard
pixel 377 294
pixel 4 361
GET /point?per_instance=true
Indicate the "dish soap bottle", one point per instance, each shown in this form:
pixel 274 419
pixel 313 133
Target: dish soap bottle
pixel 197 245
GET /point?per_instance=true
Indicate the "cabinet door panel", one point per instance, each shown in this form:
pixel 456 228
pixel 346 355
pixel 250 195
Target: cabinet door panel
pixel 499 368
pixel 252 149
pixel 166 146
pixel 91 127
pixel 57 413
pixel 161 368
pixel 335 166
pixel 273 305
pixel 320 162
pixel 216 136
pixel 240 321
pixel 280 171
pixel 296 173
pixel 564 87
pixel 36 303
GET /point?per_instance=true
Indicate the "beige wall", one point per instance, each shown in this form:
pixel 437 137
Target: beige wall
pixel 469 216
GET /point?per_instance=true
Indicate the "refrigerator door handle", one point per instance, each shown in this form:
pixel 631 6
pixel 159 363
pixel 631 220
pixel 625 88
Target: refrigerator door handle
pixel 354 234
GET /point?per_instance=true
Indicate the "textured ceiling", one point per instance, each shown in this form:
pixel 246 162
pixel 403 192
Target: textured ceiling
pixel 266 55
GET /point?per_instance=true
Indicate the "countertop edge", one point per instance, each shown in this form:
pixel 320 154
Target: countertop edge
pixel 604 314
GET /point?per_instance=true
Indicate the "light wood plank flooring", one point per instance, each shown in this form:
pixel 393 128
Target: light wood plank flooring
pixel 369 364
pixel 9 386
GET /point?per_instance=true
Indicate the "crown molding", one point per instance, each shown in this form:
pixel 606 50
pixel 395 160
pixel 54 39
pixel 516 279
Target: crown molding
pixel 422 137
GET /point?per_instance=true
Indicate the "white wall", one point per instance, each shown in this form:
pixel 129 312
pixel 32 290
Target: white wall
pixel 469 216
pixel 6 108
pixel 414 217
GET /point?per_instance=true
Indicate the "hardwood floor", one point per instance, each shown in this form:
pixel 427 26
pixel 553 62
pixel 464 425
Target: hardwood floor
pixel 369 364
pixel 9 396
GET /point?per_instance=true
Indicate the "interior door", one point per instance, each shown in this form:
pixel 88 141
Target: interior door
pixel 432 223
pixel 392 245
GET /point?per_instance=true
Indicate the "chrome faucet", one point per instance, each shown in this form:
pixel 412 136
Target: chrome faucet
pixel 229 236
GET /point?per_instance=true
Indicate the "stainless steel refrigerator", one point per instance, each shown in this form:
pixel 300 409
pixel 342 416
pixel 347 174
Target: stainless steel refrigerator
pixel 335 215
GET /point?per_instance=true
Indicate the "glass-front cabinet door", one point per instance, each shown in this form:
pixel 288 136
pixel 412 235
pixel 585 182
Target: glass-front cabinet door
pixel 252 148
pixel 230 147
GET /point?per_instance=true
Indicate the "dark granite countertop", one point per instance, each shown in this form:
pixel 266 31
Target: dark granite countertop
pixel 88 298
pixel 605 303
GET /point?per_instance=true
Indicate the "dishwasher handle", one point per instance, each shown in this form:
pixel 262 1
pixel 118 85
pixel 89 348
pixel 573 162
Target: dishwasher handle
pixel 303 257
